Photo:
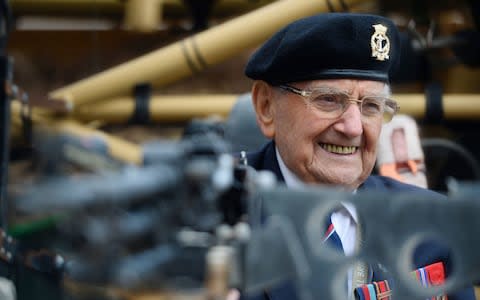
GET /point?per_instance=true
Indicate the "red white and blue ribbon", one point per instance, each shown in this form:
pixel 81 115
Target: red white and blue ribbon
pixel 329 232
pixel 431 275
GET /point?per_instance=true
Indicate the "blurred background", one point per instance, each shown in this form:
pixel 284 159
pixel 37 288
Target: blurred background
pixel 112 77
pixel 55 44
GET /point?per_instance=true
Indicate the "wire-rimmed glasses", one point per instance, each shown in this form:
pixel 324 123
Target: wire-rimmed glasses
pixel 334 102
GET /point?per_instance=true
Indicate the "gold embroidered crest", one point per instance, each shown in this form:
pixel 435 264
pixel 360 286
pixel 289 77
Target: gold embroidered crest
pixel 380 43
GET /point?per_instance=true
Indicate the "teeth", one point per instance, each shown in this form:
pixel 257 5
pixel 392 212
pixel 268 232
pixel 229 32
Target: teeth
pixel 339 149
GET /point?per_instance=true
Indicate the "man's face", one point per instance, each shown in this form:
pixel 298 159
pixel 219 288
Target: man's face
pixel 325 150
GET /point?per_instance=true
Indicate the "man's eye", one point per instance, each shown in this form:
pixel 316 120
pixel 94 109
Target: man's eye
pixel 331 98
pixel 372 105
pixel 328 99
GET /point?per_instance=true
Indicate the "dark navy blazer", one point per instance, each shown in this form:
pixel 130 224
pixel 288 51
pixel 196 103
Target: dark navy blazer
pixel 266 159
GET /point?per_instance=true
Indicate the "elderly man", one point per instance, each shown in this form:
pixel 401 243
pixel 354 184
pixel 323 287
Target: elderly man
pixel 321 93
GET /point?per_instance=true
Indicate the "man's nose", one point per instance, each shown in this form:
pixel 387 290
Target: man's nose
pixel 350 122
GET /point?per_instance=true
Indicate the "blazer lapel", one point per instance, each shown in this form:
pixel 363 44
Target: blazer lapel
pixel 266 159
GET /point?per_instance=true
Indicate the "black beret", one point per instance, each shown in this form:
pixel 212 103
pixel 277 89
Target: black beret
pixel 327 46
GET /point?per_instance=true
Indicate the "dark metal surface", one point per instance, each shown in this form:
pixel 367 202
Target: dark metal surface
pixel 393 227
pixel 5 74
pixel 180 198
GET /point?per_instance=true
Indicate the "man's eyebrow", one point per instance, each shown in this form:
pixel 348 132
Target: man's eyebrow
pixel 326 87
pixel 386 91
pixel 378 94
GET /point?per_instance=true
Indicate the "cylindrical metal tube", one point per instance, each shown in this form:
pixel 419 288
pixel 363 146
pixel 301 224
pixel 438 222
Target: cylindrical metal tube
pixel 181 108
pixel 118 148
pixel 143 15
pixel 172 8
pixel 411 104
pixel 166 108
pixel 461 106
pixel 455 106
pixel 192 54
pixel 186 107
pixel 20 7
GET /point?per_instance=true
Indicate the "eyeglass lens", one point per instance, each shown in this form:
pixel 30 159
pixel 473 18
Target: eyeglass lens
pixel 336 103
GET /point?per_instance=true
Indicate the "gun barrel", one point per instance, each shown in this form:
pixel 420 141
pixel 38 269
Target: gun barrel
pixel 112 188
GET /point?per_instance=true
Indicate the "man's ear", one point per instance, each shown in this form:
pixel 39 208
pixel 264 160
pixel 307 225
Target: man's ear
pixel 262 98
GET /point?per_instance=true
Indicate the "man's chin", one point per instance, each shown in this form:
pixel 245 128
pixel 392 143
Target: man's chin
pixel 351 178
pixel 346 179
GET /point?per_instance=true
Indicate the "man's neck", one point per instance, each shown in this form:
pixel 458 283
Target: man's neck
pixel 291 180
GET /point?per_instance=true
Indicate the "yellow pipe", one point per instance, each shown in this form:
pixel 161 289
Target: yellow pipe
pixel 143 15
pixel 161 108
pixel 182 108
pixel 117 7
pixel 455 106
pixel 117 147
pixel 411 104
pixel 190 55
pixel 201 106
pixel 462 106
pixel 65 7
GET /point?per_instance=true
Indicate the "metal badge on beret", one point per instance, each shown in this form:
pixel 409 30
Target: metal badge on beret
pixel 380 43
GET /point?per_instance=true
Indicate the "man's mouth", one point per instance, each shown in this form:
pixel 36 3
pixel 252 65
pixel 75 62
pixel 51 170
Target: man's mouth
pixel 338 149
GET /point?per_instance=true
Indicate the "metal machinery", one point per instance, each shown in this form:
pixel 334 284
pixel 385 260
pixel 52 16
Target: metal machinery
pixel 90 83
